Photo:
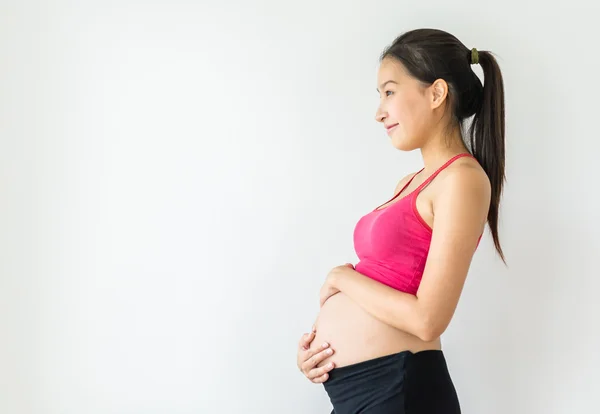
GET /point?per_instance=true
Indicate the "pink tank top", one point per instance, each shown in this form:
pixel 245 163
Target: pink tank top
pixel 392 242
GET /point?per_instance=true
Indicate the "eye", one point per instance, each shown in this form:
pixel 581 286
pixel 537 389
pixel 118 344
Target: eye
pixel 388 92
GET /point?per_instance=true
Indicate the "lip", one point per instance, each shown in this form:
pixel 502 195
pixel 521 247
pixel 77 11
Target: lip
pixel 389 128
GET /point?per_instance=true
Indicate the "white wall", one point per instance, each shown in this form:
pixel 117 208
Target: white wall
pixel 177 178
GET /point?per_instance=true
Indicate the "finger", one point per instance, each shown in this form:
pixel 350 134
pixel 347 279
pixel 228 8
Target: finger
pixel 305 353
pixel 309 353
pixel 319 372
pixel 321 379
pixel 316 358
pixel 306 340
pixel 303 340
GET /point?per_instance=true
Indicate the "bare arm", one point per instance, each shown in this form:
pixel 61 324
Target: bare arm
pixel 460 212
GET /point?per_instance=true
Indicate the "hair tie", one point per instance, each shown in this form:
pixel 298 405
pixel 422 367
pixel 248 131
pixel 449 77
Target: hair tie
pixel 474 56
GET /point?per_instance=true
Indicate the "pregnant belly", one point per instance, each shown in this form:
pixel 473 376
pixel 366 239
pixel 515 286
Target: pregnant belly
pixel 356 336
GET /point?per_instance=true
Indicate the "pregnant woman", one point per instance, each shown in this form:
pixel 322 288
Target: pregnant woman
pixel 376 343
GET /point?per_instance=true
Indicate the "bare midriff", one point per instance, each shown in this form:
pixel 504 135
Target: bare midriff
pixel 357 336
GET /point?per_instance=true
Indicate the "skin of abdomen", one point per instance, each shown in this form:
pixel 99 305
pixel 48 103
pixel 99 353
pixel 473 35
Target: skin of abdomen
pixel 356 336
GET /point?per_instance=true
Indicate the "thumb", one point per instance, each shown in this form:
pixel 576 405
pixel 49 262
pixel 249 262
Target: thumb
pixel 306 340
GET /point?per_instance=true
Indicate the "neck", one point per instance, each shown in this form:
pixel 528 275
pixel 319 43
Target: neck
pixel 440 148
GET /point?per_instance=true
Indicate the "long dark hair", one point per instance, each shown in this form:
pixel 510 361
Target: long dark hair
pixel 431 54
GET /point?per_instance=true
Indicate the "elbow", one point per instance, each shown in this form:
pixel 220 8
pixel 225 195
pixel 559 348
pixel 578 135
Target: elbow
pixel 430 330
pixel 428 335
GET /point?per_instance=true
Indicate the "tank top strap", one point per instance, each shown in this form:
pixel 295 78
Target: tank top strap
pixel 439 170
pixel 401 190
pixel 408 183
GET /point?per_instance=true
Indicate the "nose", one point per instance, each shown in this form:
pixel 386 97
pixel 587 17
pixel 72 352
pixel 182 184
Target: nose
pixel 380 115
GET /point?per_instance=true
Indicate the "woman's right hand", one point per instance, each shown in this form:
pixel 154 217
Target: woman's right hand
pixel 308 359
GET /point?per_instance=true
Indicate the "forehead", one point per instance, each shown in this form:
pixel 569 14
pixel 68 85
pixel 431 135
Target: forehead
pixel 390 69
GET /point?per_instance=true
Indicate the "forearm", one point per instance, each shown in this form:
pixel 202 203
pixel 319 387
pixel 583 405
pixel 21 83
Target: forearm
pixel 391 306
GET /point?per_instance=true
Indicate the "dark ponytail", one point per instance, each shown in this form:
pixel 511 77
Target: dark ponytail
pixel 431 54
pixel 486 137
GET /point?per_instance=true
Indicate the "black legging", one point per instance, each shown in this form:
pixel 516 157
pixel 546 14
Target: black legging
pixel 402 383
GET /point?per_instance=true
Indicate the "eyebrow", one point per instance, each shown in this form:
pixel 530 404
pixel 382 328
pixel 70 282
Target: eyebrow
pixel 385 83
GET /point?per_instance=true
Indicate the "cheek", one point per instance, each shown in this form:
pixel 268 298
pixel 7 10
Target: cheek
pixel 410 113
pixel 413 113
pixel 406 113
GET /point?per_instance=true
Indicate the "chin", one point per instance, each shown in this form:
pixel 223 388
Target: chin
pixel 405 144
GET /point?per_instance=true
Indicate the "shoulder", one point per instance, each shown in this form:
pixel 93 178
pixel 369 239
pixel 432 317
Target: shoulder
pixel 464 183
pixel 467 175
pixel 466 169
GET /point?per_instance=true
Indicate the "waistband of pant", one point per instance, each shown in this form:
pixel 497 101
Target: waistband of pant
pixel 399 358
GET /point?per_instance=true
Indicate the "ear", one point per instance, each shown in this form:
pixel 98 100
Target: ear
pixel 439 93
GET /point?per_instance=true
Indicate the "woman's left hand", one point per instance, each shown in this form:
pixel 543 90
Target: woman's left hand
pixel 328 289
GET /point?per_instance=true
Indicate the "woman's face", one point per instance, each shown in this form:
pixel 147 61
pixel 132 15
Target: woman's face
pixel 405 107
